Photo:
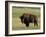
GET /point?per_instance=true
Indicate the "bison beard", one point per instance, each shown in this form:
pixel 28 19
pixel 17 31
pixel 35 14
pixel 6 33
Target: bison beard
pixel 26 21
pixel 28 18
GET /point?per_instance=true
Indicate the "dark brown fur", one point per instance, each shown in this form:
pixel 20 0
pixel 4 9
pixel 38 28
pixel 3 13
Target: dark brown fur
pixel 29 18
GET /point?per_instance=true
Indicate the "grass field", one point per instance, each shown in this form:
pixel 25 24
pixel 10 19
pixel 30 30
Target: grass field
pixel 16 21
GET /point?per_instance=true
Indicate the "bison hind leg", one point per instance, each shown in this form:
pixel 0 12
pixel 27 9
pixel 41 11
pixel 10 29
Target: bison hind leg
pixel 35 24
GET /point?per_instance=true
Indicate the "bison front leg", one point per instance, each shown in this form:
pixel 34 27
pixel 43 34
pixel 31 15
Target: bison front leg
pixel 27 25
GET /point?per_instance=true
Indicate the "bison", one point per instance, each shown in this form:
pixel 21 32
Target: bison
pixel 29 18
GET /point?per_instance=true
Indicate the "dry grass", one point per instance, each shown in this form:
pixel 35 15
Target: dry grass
pixel 16 22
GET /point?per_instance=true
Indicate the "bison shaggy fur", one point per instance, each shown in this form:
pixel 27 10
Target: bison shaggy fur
pixel 29 18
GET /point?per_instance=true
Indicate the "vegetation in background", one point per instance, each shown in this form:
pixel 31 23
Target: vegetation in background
pixel 18 11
